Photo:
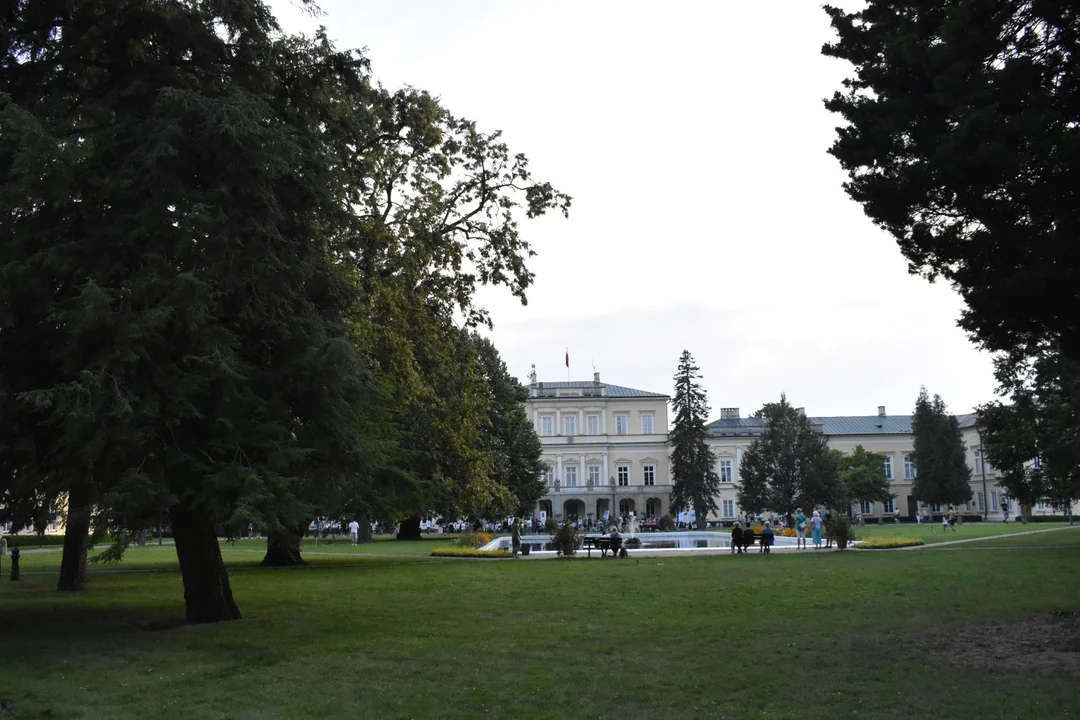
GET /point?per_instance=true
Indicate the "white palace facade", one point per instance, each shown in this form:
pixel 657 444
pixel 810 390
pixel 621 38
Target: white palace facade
pixel 607 446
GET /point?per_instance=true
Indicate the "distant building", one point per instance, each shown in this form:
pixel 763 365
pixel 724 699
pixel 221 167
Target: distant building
pixel 603 444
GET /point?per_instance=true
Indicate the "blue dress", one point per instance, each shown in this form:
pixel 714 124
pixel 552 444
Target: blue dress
pixel 817 530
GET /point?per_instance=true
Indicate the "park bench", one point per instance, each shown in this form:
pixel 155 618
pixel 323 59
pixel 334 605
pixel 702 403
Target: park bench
pixel 603 543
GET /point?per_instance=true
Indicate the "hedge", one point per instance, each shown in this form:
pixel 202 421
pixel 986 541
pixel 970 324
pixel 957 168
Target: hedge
pixel 469 553
pixel 888 543
pixel 33 541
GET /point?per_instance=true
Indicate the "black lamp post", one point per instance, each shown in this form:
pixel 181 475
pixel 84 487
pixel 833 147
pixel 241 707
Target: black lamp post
pixel 611 511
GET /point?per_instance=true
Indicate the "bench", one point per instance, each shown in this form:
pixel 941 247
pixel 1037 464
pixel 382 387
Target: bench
pixel 603 543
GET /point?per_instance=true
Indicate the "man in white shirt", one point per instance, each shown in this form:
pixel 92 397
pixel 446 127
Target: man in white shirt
pixel 354 532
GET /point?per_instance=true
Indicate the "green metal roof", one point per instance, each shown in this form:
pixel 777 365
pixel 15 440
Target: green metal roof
pixel 616 391
pixel 842 425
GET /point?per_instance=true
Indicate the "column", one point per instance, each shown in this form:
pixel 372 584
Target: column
pixel 536 420
pixel 603 425
pixel 583 475
pixel 580 422
pixel 558 470
pixel 558 421
pixel 738 461
pixel 604 479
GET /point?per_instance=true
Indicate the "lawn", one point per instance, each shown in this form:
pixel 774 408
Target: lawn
pixel 933 533
pixel 809 636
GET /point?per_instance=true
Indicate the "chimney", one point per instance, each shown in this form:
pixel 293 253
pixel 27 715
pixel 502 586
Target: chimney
pixel 596 378
pixel 801 411
pixel 881 411
pixel 729 413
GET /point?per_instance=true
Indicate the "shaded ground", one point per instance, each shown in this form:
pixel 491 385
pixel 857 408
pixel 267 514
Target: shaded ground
pixel 1048 644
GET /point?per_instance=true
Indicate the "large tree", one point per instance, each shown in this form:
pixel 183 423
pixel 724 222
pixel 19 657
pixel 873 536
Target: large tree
pixel 862 476
pixel 960 139
pixel 789 465
pixel 164 196
pixel 695 482
pixel 942 476
pixel 1034 440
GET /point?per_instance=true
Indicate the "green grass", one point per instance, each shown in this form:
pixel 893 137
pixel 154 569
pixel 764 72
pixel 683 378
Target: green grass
pixel 933 533
pixel 822 635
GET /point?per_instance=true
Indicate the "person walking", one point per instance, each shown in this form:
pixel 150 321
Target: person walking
pixel 354 532
pixel 800 529
pixel 766 538
pixel 815 521
pixel 515 537
pixel 828 529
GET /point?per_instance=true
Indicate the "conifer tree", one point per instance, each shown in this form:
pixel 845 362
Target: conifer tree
pixel 942 476
pixel 789 465
pixel 695 481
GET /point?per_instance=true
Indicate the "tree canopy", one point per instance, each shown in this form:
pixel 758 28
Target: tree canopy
pixel 789 465
pixel 695 480
pixel 941 472
pixel 862 476
pixel 961 139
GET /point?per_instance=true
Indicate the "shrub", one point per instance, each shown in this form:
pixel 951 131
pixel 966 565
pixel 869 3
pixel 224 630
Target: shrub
pixel 633 543
pixel 788 532
pixel 470 540
pixel 666 523
pixel 469 552
pixel 888 543
pixel 28 541
pixel 841 530
pixel 566 540
pixel 550 526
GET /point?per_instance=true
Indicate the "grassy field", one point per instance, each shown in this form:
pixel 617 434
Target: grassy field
pixel 883 634
pixel 934 534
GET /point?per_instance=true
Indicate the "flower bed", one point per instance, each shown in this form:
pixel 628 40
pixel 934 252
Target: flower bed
pixel 469 553
pixel 888 543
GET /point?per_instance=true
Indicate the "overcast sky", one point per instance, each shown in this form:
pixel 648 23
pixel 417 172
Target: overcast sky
pixel 707 215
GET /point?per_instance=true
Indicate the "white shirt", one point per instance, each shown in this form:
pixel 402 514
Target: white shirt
pixel 354 527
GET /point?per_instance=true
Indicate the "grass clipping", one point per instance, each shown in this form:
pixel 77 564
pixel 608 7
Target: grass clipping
pixel 469 553
pixel 888 543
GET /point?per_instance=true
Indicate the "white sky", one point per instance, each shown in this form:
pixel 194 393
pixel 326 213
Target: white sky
pixel 707 214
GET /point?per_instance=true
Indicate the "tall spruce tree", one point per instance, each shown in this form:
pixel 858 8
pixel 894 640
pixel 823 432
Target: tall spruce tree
pixel 789 465
pixel 695 481
pixel 942 476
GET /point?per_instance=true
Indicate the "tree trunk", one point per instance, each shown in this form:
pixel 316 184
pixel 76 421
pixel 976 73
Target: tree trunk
pixel 701 518
pixel 207 595
pixel 283 548
pixel 410 529
pixel 365 528
pixel 76 542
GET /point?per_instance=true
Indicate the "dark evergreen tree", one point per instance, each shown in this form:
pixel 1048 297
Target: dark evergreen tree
pixel 695 482
pixel 789 465
pixel 164 197
pixel 1034 441
pixel 942 476
pixel 509 435
pixel 960 140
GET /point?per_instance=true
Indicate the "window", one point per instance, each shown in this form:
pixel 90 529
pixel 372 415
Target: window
pixel 592 424
pixel 982 502
pixel 622 474
pixel 594 475
pixel 888 468
pixel 622 424
pixel 978 463
pixel 909 468
pixel 1035 463
pixel 570 472
pixel 729 508
pixel 867 508
pixel 547 426
pixel 725 471
pixel 936 507
pixel 647 424
pixel 625 507
pixel 994 501
pixel 650 474
pixel 569 425
pixel 890 505
pixel 549 477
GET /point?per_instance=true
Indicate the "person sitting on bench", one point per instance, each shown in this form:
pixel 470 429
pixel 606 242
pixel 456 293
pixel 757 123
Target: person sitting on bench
pixel 748 538
pixel 736 539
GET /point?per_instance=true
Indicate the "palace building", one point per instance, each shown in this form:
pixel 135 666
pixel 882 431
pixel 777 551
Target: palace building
pixel 607 446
